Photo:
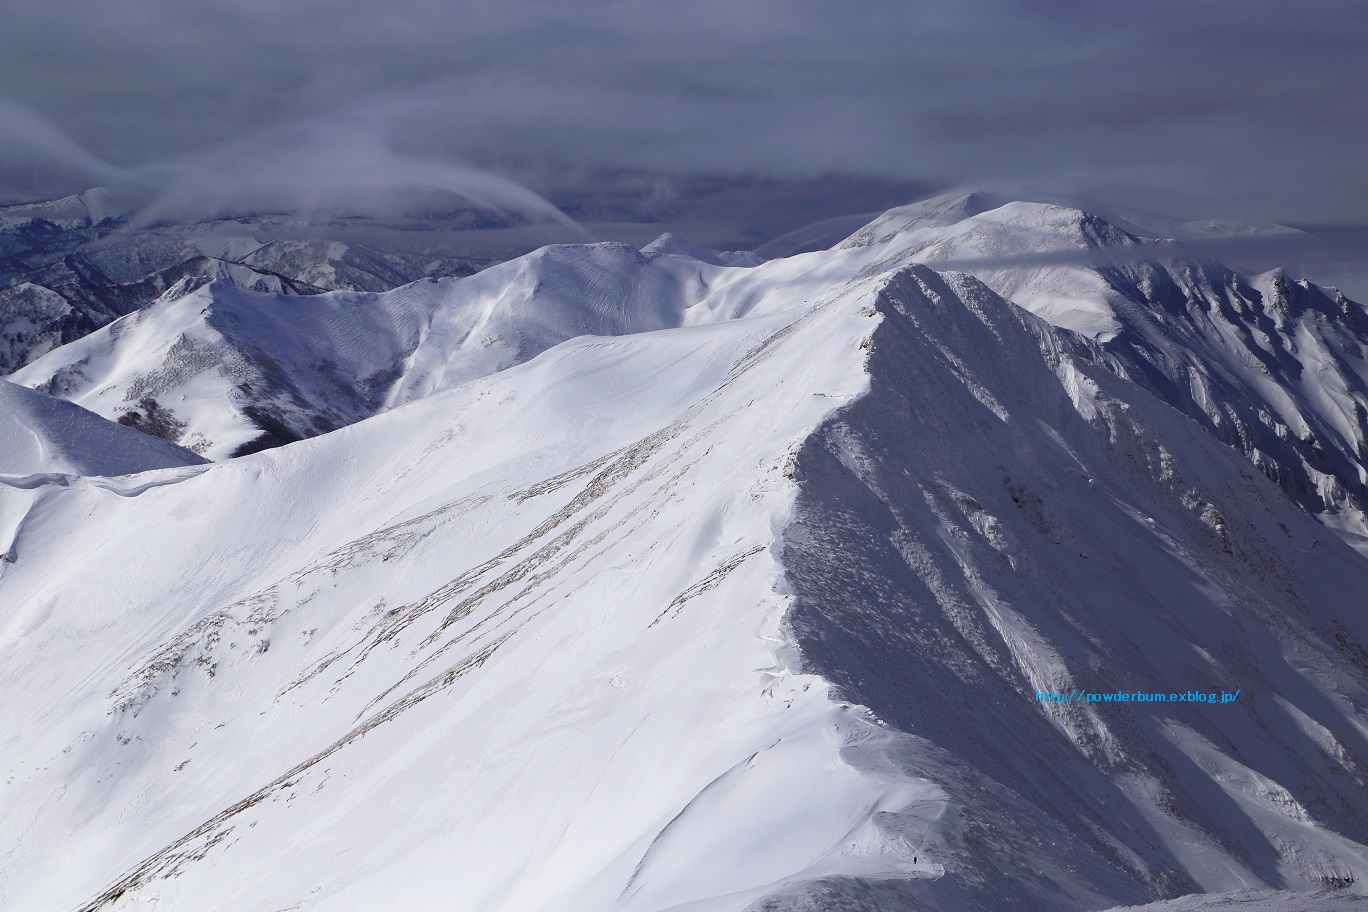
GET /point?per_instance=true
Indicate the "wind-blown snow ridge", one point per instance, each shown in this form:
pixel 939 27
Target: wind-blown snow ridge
pixel 40 434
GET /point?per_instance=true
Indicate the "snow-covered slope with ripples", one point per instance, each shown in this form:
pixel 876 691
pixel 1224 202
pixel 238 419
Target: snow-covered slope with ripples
pixel 41 434
pixel 518 638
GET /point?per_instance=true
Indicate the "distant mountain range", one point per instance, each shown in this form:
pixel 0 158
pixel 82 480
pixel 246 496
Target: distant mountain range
pixel 71 266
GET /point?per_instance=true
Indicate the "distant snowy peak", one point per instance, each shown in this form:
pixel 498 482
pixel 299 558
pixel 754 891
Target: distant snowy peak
pixel 72 298
pixel 953 208
pixel 79 210
pixel 674 245
pixel 1228 228
pixel 1041 256
pixel 512 312
pixel 226 372
pixel 40 434
pixel 937 212
pixel 1078 266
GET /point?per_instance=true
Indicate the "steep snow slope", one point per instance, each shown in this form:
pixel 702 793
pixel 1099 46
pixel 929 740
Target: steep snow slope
pixel 1274 367
pixel 40 434
pixel 565 637
pixel 509 647
pixel 1010 513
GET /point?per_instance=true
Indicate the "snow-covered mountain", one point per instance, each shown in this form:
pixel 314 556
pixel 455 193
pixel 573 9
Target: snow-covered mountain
pixel 235 372
pixel 1275 367
pixel 73 265
pixel 674 244
pixel 1272 366
pixel 38 318
pixel 652 584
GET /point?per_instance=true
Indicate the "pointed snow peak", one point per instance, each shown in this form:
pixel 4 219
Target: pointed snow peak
pixel 1295 297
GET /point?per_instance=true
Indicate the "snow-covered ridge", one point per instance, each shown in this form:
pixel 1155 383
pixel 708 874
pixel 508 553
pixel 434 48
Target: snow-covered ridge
pixel 1006 509
pixel 41 434
pixel 537 546
pixel 1272 366
pixel 238 371
pixel 651 584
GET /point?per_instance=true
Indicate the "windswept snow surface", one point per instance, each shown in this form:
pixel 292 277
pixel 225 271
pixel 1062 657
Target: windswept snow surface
pixel 40 434
pixel 743 607
pixel 46 443
pixel 515 646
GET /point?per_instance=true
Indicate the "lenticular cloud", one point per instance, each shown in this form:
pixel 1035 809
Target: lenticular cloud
pixel 329 167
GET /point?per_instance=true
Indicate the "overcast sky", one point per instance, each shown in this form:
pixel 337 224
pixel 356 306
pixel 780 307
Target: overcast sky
pixel 1254 110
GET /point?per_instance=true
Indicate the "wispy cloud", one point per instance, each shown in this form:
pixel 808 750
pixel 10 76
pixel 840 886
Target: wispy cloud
pixel 335 166
pixel 324 168
pixel 1251 111
pixel 37 159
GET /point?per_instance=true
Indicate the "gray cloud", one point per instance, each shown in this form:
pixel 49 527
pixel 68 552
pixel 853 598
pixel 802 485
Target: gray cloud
pixel 333 167
pixel 37 159
pixel 1196 108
